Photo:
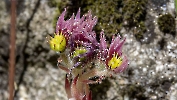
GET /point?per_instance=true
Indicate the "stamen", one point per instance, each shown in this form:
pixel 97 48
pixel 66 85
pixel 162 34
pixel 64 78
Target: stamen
pixel 115 61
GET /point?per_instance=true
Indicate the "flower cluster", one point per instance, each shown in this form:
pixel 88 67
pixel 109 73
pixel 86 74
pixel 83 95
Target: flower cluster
pixel 83 57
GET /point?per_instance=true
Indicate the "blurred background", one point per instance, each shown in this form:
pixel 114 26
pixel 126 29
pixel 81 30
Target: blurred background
pixel 149 27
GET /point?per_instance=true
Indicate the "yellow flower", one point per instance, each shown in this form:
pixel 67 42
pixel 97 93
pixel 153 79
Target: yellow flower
pixel 79 51
pixel 58 43
pixel 115 61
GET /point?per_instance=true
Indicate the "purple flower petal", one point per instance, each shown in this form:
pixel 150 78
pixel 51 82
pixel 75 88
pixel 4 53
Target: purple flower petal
pixel 103 46
pixel 116 46
pixel 61 22
pixel 78 14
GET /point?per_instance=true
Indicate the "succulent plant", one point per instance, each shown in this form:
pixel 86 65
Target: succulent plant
pixel 83 57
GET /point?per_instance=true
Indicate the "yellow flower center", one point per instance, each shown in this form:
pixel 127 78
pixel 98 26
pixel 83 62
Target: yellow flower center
pixel 115 61
pixel 79 51
pixel 58 43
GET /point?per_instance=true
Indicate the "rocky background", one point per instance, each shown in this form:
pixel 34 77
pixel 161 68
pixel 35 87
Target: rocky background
pixel 150 48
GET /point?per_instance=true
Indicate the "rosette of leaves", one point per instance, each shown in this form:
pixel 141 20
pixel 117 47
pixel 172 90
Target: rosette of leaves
pixel 166 24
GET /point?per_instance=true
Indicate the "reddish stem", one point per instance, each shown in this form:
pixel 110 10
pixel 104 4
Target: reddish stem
pixel 12 50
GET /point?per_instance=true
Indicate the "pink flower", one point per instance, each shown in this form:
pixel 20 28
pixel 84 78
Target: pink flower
pixel 77 29
pixel 113 56
pixel 83 57
pixel 78 32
